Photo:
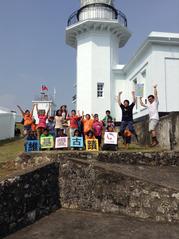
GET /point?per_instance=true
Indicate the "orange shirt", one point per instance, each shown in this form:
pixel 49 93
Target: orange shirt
pixel 27 119
pixel 88 125
pixel 127 133
pixel 33 127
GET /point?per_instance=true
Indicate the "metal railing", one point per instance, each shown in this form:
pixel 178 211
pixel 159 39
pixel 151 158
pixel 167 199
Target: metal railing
pixel 74 98
pixel 43 97
pixel 93 11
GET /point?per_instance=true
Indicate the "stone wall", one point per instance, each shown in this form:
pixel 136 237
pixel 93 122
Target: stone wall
pixel 98 187
pixel 109 182
pixel 164 158
pixel 168 131
pixel 27 197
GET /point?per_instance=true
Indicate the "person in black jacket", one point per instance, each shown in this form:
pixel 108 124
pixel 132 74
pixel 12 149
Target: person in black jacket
pixel 127 114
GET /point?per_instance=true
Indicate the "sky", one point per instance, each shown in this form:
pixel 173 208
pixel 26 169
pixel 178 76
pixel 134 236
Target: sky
pixel 33 50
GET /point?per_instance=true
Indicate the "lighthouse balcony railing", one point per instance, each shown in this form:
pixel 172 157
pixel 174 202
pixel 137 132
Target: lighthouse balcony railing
pixel 74 98
pixel 43 97
pixel 97 11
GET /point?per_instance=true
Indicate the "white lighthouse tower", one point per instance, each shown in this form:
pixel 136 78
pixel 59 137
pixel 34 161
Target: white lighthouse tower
pixel 96 30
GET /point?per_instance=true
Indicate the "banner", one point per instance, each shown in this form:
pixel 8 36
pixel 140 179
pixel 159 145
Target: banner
pixel 61 142
pixel 92 145
pixel 139 91
pixel 76 142
pixel 110 138
pixel 32 145
pixel 47 142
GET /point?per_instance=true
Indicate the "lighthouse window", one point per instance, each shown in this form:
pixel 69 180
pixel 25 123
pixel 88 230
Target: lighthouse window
pixel 100 89
pixel 135 88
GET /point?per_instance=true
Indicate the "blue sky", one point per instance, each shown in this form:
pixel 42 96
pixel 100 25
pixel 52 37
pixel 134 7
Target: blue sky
pixel 33 50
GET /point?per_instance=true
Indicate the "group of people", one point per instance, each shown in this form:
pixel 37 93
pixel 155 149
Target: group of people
pixel 127 115
pixel 63 124
pixel 89 126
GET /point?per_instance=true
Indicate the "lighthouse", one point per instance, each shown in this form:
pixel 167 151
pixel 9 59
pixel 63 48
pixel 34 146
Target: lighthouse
pixel 96 30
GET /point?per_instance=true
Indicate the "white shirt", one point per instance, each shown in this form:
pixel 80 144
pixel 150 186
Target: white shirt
pixel 153 110
pixel 58 122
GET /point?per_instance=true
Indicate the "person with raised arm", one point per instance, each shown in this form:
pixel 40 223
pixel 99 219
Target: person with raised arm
pixel 42 116
pixel 152 107
pixel 127 114
pixel 27 118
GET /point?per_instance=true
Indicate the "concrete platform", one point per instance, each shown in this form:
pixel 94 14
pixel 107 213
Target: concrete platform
pixel 68 224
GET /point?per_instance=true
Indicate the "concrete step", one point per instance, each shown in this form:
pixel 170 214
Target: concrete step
pixel 147 192
pixel 71 224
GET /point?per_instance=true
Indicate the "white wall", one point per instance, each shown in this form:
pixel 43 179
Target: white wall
pixel 84 84
pixel 172 84
pixel 124 81
pixel 165 71
pixel 119 84
pixel 94 65
pixel 161 64
pixel 7 125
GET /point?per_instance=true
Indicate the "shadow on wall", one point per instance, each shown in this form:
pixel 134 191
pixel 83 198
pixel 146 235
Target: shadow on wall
pixel 28 197
pixel 168 131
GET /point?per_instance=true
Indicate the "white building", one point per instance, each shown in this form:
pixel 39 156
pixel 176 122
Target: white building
pixel 7 123
pixel 97 30
pixel 155 62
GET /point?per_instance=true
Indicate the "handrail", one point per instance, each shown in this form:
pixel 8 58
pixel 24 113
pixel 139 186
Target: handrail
pixel 118 15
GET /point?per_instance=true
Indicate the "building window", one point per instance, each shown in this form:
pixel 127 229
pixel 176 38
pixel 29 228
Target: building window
pixel 100 89
pixel 143 81
pixel 134 87
pixel 143 73
pixel 135 82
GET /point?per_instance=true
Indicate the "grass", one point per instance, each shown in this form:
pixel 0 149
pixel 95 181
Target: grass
pixel 9 149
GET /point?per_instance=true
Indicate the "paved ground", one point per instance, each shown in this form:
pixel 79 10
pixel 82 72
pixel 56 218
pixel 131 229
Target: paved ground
pixel 67 224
